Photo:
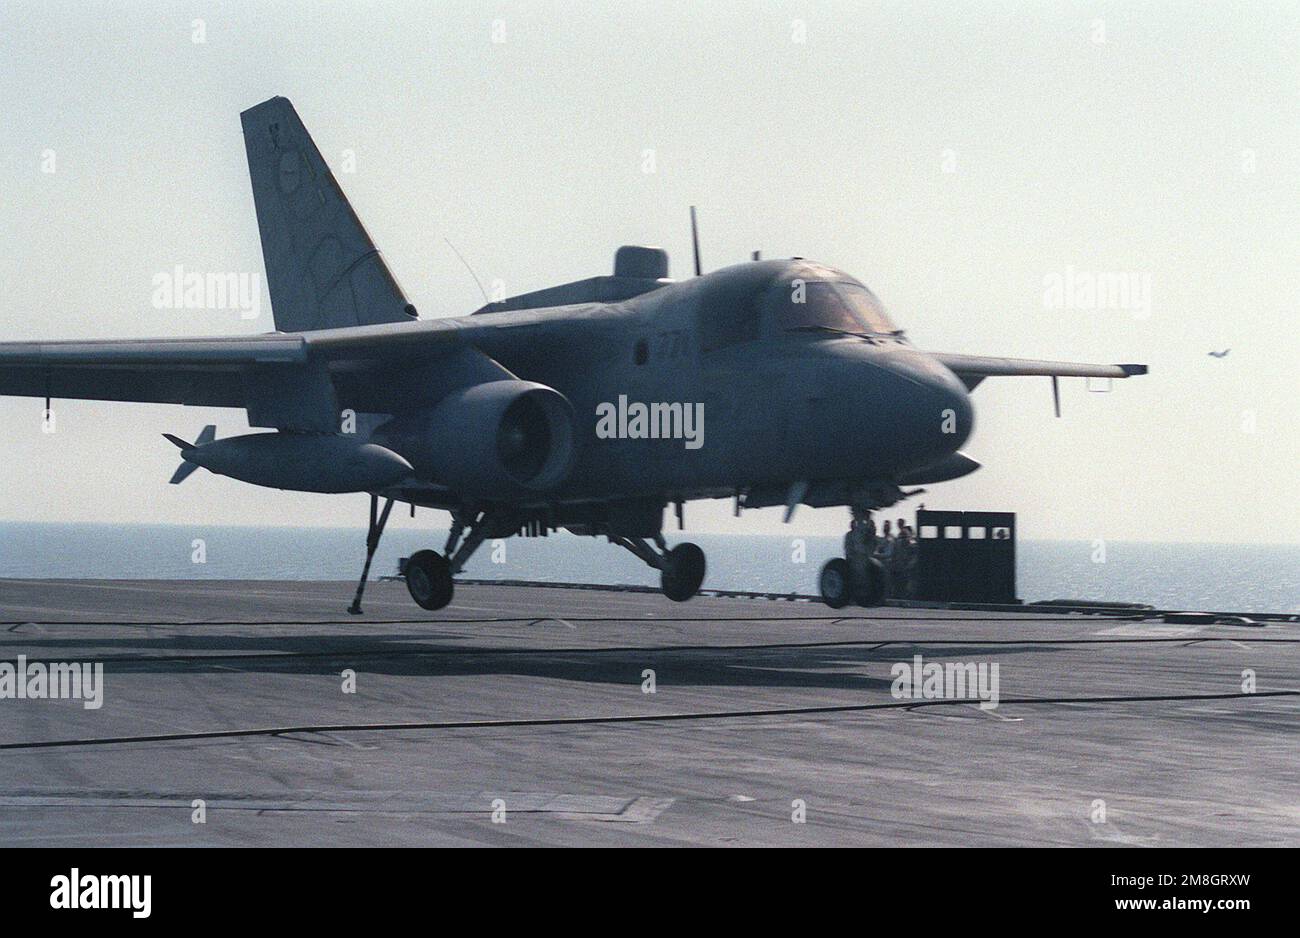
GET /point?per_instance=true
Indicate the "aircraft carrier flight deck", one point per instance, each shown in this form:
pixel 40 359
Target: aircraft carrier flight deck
pixel 260 713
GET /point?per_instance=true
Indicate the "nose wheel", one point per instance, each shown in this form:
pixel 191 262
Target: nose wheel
pixel 841 585
pixel 834 583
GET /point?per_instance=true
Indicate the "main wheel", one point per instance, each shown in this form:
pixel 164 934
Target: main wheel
pixel 428 579
pixel 682 572
pixel 872 592
pixel 836 583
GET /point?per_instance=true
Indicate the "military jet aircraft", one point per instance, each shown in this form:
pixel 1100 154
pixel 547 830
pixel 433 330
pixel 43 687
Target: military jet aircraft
pixel 590 406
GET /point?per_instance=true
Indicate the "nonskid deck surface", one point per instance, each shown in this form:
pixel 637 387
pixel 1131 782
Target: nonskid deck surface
pixel 529 704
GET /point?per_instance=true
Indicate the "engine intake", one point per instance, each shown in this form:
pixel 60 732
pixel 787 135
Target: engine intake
pixel 490 439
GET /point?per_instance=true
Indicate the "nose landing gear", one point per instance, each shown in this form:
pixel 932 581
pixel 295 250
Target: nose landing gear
pixel 835 583
pixel 840 585
pixel 857 577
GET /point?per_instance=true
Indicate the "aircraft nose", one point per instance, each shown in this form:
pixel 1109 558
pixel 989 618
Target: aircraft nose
pixel 938 412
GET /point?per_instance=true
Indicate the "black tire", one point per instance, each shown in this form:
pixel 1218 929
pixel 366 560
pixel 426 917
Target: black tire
pixel 836 583
pixel 428 579
pixel 872 592
pixel 682 572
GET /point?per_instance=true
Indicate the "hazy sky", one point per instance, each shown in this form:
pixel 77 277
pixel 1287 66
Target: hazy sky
pixel 959 157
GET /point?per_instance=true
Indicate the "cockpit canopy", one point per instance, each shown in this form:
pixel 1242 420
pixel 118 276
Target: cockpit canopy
pixel 803 305
pixel 783 298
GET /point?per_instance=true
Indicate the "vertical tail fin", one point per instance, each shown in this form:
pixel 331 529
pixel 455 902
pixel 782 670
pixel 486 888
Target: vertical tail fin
pixel 322 269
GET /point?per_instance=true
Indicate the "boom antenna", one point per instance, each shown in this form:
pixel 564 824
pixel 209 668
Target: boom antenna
pixel 695 242
pixel 477 282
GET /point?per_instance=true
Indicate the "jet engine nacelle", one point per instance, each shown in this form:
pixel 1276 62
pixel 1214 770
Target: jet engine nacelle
pixel 493 439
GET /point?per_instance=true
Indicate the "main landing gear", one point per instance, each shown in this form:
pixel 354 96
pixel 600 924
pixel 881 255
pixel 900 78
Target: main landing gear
pixel 429 574
pixel 428 579
pixel 681 570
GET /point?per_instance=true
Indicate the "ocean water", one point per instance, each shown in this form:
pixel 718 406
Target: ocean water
pixel 1248 578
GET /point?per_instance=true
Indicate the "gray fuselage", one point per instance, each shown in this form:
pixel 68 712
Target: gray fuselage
pixel 778 405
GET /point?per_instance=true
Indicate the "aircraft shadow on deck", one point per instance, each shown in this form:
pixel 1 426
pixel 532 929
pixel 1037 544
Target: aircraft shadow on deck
pixel 442 656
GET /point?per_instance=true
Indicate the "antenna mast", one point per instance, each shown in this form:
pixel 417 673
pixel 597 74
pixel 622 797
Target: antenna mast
pixel 695 242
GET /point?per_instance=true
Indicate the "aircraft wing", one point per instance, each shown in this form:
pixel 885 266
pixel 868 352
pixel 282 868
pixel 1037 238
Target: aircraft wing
pixel 172 371
pixel 362 367
pixel 972 369
pixel 987 366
